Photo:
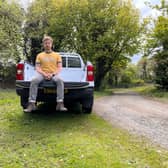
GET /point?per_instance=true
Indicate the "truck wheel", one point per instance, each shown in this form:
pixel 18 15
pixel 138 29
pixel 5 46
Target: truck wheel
pixel 87 104
pixel 87 110
pixel 24 101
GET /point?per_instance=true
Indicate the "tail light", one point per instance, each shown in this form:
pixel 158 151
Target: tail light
pixel 20 71
pixel 90 73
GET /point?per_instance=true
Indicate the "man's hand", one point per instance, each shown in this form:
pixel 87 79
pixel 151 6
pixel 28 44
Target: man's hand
pixel 47 76
pixel 54 74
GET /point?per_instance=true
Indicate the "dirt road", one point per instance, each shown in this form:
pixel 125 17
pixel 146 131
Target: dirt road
pixel 137 114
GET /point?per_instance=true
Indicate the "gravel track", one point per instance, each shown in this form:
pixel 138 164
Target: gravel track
pixel 137 114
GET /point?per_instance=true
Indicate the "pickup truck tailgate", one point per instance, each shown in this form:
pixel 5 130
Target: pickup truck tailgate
pixel 51 84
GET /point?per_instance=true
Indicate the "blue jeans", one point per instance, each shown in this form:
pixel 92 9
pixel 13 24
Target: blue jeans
pixel 39 78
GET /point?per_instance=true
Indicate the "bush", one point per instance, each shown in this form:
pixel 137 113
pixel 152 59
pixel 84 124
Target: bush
pixel 7 76
pixel 161 70
pixel 138 82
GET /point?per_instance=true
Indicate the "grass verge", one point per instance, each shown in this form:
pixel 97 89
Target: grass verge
pixel 152 91
pixel 106 92
pixel 66 140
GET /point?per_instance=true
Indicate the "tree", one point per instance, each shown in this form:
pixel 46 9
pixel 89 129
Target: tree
pixel 102 31
pixel 161 69
pixel 129 77
pixel 10 30
pixel 145 68
pixel 11 19
pixel 36 24
pixel 159 41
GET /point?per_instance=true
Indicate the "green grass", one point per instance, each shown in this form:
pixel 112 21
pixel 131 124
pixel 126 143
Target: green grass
pixel 152 91
pixel 106 92
pixel 48 139
pixel 148 90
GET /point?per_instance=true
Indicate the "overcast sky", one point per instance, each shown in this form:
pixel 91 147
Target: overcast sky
pixel 145 10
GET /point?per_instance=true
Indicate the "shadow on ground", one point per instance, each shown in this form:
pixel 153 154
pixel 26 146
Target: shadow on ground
pixel 46 119
pixel 125 93
pixel 50 109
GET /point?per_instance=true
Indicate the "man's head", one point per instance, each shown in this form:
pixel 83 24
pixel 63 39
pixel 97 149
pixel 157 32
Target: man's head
pixel 47 43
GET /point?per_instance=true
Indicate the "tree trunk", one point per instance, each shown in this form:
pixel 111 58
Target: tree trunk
pixel 100 72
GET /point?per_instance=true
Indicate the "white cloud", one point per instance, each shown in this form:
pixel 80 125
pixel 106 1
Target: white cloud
pixel 25 3
pixel 145 9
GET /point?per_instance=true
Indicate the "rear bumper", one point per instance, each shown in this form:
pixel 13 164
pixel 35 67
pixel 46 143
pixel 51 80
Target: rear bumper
pixel 51 84
pixel 47 91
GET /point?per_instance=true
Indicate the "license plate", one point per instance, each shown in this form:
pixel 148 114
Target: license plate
pixel 52 91
pixel 49 91
pixel 65 91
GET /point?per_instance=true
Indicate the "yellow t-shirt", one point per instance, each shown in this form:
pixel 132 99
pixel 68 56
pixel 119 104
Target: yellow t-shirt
pixel 48 61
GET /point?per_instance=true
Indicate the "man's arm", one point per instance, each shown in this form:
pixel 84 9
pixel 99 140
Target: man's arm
pixel 39 70
pixel 38 65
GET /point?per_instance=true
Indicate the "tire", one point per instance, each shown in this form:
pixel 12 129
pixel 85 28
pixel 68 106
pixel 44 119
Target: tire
pixel 23 101
pixel 87 104
pixel 87 110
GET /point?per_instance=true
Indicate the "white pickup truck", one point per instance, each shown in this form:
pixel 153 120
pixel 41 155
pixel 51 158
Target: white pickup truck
pixel 78 82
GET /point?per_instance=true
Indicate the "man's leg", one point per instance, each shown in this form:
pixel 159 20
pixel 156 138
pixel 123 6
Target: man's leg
pixel 33 92
pixel 60 93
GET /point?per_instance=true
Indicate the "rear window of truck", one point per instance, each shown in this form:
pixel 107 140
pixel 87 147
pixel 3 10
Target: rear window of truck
pixel 72 62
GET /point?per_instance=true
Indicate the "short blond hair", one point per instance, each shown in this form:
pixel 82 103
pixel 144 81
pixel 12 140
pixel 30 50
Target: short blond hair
pixel 47 38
